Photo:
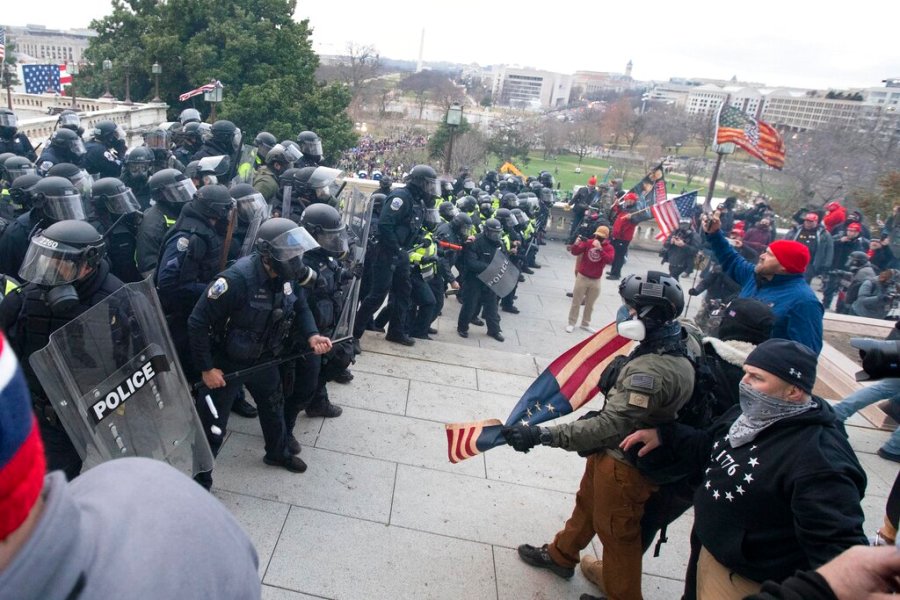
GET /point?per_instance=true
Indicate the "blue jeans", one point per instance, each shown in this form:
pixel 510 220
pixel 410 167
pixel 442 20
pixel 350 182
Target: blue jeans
pixel 886 389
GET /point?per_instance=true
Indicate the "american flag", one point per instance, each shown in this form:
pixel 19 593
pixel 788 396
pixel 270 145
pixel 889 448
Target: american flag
pixel 203 88
pixel 757 138
pixel 668 212
pixel 65 78
pixel 41 78
pixel 2 45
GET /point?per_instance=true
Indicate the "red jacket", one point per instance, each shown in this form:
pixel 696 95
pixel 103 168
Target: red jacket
pixel 834 218
pixel 593 259
pixel 623 228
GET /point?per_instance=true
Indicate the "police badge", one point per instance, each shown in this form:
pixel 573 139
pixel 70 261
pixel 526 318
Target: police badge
pixel 219 287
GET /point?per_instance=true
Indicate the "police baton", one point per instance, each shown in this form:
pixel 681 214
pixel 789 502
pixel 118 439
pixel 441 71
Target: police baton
pixel 229 235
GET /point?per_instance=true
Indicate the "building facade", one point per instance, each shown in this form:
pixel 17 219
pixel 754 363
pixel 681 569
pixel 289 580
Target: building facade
pixel 37 44
pixel 530 88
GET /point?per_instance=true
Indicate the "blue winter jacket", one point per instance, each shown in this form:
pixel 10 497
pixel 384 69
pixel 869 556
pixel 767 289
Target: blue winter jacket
pixel 798 312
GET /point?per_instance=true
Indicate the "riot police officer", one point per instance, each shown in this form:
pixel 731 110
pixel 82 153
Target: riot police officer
pixel 278 160
pixel 455 233
pixel 17 200
pixel 246 317
pixel 385 185
pixel 67 274
pixel 189 115
pixel 136 171
pixel 477 255
pixel 224 140
pixel 311 148
pixel 105 151
pixel 118 218
pixel 170 190
pixel 53 199
pixel 65 147
pixel 309 185
pixel 11 139
pixel 188 142
pixel 159 142
pixel 399 227
pixel 326 301
pixel 192 254
pixel 69 119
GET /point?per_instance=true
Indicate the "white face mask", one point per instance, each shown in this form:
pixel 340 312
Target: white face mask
pixel 633 329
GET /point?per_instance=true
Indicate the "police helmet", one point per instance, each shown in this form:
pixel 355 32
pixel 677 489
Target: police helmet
pixel 377 202
pixel 310 144
pixel 192 133
pixel 20 189
pixel 461 224
pixel 69 119
pixel 192 169
pixel 158 139
pixel 116 197
pixel 226 134
pixel 520 216
pixel 509 200
pixel 59 254
pixel 283 155
pixel 486 207
pixel 323 222
pixel 69 141
pixel 107 132
pixel 506 218
pixel 250 204
pixel 312 183
pixel 546 179
pixel 467 204
pixel 424 179
pixel 76 176
pixel 189 115
pixel 447 211
pixel 283 243
pixel 213 201
pixel 16 166
pixel 138 161
pixel 9 123
pixel 264 141
pixel 5 157
pixel 655 296
pixel 385 183
pixel 493 230
pixel 857 260
pixel 171 186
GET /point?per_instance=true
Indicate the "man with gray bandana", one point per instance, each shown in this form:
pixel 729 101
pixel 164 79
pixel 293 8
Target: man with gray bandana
pixel 781 486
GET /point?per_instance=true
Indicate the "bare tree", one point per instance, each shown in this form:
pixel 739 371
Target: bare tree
pixel 690 169
pixel 360 64
pixel 583 136
pixel 469 149
pixel 552 134
pixel 702 128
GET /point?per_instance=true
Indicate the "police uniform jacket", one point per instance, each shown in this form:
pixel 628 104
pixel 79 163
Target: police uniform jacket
pixel 53 156
pixel 121 244
pixel 19 145
pixel 477 256
pixel 157 220
pixel 401 220
pixel 649 391
pixel 326 298
pixel 249 314
pixel 102 161
pixel 14 243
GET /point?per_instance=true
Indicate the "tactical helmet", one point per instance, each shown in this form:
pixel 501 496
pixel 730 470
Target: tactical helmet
pixel 493 230
pixel 546 179
pixel 283 243
pixel 213 201
pixel 283 155
pixel 116 197
pixel 857 260
pixel 250 204
pixel 69 119
pixel 520 216
pixel 323 222
pixel 461 224
pixel 16 166
pixel 76 176
pixel 509 200
pixel 192 133
pixel 226 134
pixel 467 204
pixel 424 179
pixel 58 254
pixel 377 202
pixel 447 211
pixel 107 132
pixel 5 157
pixel 310 144
pixel 656 296
pixel 68 140
pixel 189 115
pixel 312 183
pixel 191 169
pixel 20 189
pixel 171 186
pixel 486 208
pixel 8 123
pixel 504 215
pixel 264 141
pixel 158 139
pixel 138 161
pixel 385 184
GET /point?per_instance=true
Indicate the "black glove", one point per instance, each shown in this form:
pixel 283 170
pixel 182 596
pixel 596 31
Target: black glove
pixel 693 292
pixel 426 243
pixel 522 437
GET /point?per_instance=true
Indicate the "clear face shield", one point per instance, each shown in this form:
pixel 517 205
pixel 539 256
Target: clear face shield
pixel 236 139
pixel 431 187
pixel 69 121
pixel 50 263
pixel 157 139
pixel 64 208
pixel 123 203
pixel 252 208
pixel 77 148
pixel 19 171
pixel 493 234
pixel 334 241
pixel 311 148
pixel 287 253
pixel 323 181
pixel 8 119
pixel 521 218
pixel 179 192
pixel 84 183
pixel 432 218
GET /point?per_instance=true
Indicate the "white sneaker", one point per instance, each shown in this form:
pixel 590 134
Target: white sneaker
pixel 589 329
pixel 570 328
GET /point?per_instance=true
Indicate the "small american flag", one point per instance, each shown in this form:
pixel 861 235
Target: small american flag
pixel 203 88
pixel 668 212
pixel 41 78
pixel 2 45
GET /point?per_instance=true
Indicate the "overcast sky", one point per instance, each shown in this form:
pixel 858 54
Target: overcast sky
pixel 775 42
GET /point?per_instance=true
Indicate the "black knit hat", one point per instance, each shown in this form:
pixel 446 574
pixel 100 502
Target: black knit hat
pixel 791 361
pixel 746 320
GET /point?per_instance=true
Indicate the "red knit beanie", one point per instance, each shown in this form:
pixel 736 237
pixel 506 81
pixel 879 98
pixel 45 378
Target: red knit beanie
pixel 793 256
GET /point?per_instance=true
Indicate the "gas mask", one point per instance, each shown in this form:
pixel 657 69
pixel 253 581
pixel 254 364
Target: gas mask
pixel 61 299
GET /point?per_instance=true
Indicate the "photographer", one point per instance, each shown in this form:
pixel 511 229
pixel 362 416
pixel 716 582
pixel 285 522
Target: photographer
pixel 877 295
pixel 681 248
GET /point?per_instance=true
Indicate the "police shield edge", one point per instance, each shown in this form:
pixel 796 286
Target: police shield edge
pixel 246 164
pixel 357 216
pixel 501 275
pixel 117 387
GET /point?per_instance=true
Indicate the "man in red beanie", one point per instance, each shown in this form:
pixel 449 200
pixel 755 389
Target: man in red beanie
pixel 623 231
pixel 777 280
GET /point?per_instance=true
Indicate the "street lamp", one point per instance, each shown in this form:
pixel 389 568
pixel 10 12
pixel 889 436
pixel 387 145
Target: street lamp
pixel 156 69
pixel 7 81
pixel 127 68
pixel 107 67
pixel 213 96
pixel 454 119
pixel 73 71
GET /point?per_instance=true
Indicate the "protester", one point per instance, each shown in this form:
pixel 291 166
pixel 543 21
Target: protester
pixel 626 220
pixel 594 255
pixel 876 296
pixel 819 243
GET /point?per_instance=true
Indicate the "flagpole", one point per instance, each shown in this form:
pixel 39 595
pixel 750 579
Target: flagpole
pixel 707 203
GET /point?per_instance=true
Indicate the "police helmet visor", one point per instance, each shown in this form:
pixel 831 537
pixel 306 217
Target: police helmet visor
pixel 64 208
pixel 69 120
pixel 8 119
pixel 118 134
pixel 432 217
pixel 252 207
pixel 213 165
pixel 334 241
pixel 521 218
pixel 292 244
pixel 51 263
pixel 492 234
pixel 19 171
pixel 76 147
pixel 291 152
pixel 236 139
pixel 323 178
pixel 137 167
pixel 83 182
pixel 311 147
pixel 508 221
pixel 179 192
pixel 449 212
pixel 122 203
pixel 157 139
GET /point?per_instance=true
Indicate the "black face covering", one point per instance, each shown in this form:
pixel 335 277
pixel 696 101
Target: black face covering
pixel 61 299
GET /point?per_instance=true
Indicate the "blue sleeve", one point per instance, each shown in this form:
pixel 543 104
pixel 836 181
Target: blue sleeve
pixel 306 322
pixel 733 264
pixel 804 324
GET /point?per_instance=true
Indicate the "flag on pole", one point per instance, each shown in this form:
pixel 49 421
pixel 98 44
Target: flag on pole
pixel 668 212
pixel 565 386
pixel 2 45
pixel 203 88
pixel 65 78
pixel 757 138
pixel 41 78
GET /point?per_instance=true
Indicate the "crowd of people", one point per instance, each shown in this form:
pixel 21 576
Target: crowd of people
pixel 256 261
pixel 372 159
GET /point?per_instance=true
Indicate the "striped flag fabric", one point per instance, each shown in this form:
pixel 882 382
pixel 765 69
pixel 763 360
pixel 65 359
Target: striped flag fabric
pixel 565 386
pixel 668 212
pixel 65 78
pixel 757 138
pixel 203 88
pixel 2 45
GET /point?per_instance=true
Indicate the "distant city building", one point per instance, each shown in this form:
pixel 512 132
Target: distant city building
pixel 37 44
pixel 596 82
pixel 530 88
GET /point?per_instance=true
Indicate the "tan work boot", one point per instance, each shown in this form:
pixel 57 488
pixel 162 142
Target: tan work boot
pixel 593 571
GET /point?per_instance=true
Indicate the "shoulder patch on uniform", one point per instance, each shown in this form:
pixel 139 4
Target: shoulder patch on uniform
pixel 642 381
pixel 219 287
pixel 288 289
pixel 638 399
pixel 396 203
pixel 182 244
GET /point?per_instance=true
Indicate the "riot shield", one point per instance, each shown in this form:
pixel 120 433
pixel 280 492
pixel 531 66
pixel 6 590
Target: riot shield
pixel 501 276
pixel 246 165
pixel 357 217
pixel 115 382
